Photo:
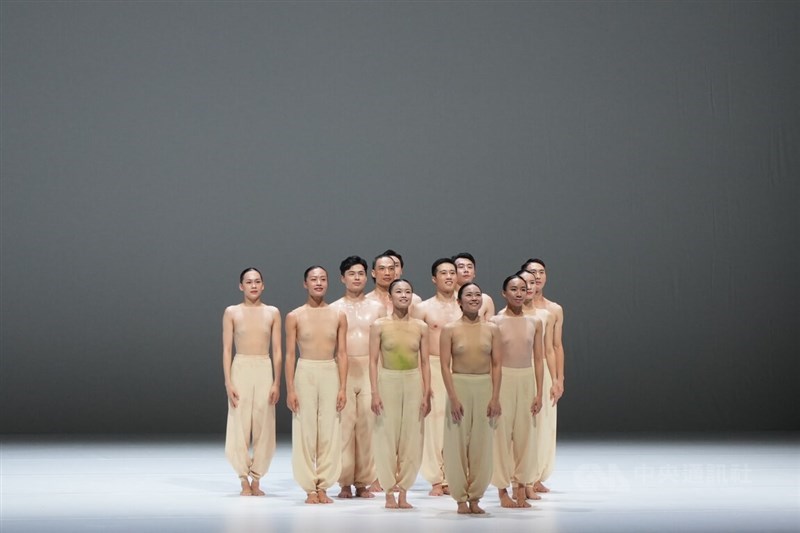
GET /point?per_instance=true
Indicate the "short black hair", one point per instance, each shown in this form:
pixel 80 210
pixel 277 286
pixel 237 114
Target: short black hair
pixel 248 269
pixel 392 284
pixel 532 260
pixel 461 290
pixel 464 255
pixel 440 261
pixel 350 262
pixel 395 254
pixel 309 269
pixel 513 276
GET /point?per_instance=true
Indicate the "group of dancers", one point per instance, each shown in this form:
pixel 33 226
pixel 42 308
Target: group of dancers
pixel 383 385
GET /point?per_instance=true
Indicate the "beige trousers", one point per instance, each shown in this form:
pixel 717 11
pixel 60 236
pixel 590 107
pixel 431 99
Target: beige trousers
pixel 545 432
pixel 514 452
pixel 358 461
pixel 432 461
pixel 252 423
pixel 468 443
pixel 316 427
pixel 399 429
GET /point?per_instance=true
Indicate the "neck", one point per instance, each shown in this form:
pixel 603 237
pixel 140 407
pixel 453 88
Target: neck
pixel 515 310
pixel 470 318
pixel 538 299
pixel 445 295
pixel 252 303
pixel 354 295
pixel 313 301
pixel 400 314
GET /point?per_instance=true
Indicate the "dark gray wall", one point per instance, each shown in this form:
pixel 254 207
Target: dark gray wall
pixel 647 151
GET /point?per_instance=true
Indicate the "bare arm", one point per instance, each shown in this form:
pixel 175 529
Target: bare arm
pixel 538 366
pixel 341 360
pixel 445 358
pixel 558 347
pixel 550 357
pixel 291 357
pixel 487 308
pixel 227 356
pixel 497 373
pixel 425 368
pixel 374 349
pixel 277 359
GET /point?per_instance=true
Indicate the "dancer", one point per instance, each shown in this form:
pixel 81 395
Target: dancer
pixel 400 394
pixel 358 463
pixel 546 424
pixel 437 311
pixel 315 391
pixel 252 385
pixel 398 270
pixel 471 361
pixel 383 273
pixel 465 273
pixel 520 397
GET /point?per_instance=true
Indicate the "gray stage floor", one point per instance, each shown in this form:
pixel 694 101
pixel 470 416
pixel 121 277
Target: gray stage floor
pixel 141 484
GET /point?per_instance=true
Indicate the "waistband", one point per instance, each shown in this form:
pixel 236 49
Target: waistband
pixel 316 362
pixel 517 371
pixel 398 373
pixel 472 377
pixel 250 357
pixel 433 356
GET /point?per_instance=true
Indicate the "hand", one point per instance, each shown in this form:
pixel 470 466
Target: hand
pixel 493 410
pixel 274 394
pixel 341 399
pixel 377 404
pixel 456 410
pixel 557 391
pixel 292 402
pixel 425 406
pixel 233 395
pixel 536 406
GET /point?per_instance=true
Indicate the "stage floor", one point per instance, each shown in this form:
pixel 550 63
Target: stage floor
pixel 185 484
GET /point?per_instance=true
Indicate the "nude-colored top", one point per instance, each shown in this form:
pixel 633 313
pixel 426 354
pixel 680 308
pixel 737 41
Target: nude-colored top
pixel 399 344
pixel 517 334
pixel 317 329
pixel 252 328
pixel 360 316
pixel 471 348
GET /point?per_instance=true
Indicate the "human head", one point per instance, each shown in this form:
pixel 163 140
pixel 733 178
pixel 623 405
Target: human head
pixel 248 269
pixel 398 262
pixel 443 275
pixel 401 293
pixel 515 290
pixel 465 267
pixel 530 280
pixel 354 273
pixel 251 283
pixel 470 298
pixel 383 271
pixel 538 269
pixel 315 281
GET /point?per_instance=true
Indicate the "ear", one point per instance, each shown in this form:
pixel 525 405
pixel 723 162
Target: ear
pixel 241 287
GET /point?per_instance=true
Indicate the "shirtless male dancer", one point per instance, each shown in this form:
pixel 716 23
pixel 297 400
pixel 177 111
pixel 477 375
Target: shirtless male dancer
pixel 465 273
pixel 546 425
pixel 315 390
pixel 358 462
pixel 398 344
pixel 437 311
pixel 398 270
pixel 383 273
pixel 520 398
pixel 471 368
pixel 253 387
pixel 542 422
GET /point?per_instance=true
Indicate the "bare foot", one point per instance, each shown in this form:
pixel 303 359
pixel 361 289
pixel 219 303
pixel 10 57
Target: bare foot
pixel 246 490
pixel 436 490
pixel 363 492
pixel 446 489
pixel 391 503
pixel 474 508
pixel 346 492
pixel 505 499
pixel 376 487
pixel 538 487
pixel 255 488
pixel 462 508
pixel 312 498
pixel 519 495
pixel 530 493
pixel 323 497
pixel 403 502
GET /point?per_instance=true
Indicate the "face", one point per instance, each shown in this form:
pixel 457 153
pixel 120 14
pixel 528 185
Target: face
pixel 316 282
pixel 516 291
pixel 445 278
pixel 471 299
pixel 398 267
pixel 465 269
pixel 401 295
pixel 355 278
pixel 529 279
pixel 251 285
pixel 384 272
pixel 539 274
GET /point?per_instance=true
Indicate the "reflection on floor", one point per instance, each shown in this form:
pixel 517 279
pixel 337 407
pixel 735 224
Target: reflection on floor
pixel 185 484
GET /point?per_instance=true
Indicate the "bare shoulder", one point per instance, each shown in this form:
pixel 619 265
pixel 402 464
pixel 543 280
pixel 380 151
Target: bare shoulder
pixel 486 298
pixel 555 308
pixel 231 310
pixel 492 326
pixel 419 323
pixel 295 313
pixel 338 303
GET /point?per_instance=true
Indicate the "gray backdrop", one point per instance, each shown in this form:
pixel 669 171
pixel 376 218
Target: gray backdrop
pixel 647 151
